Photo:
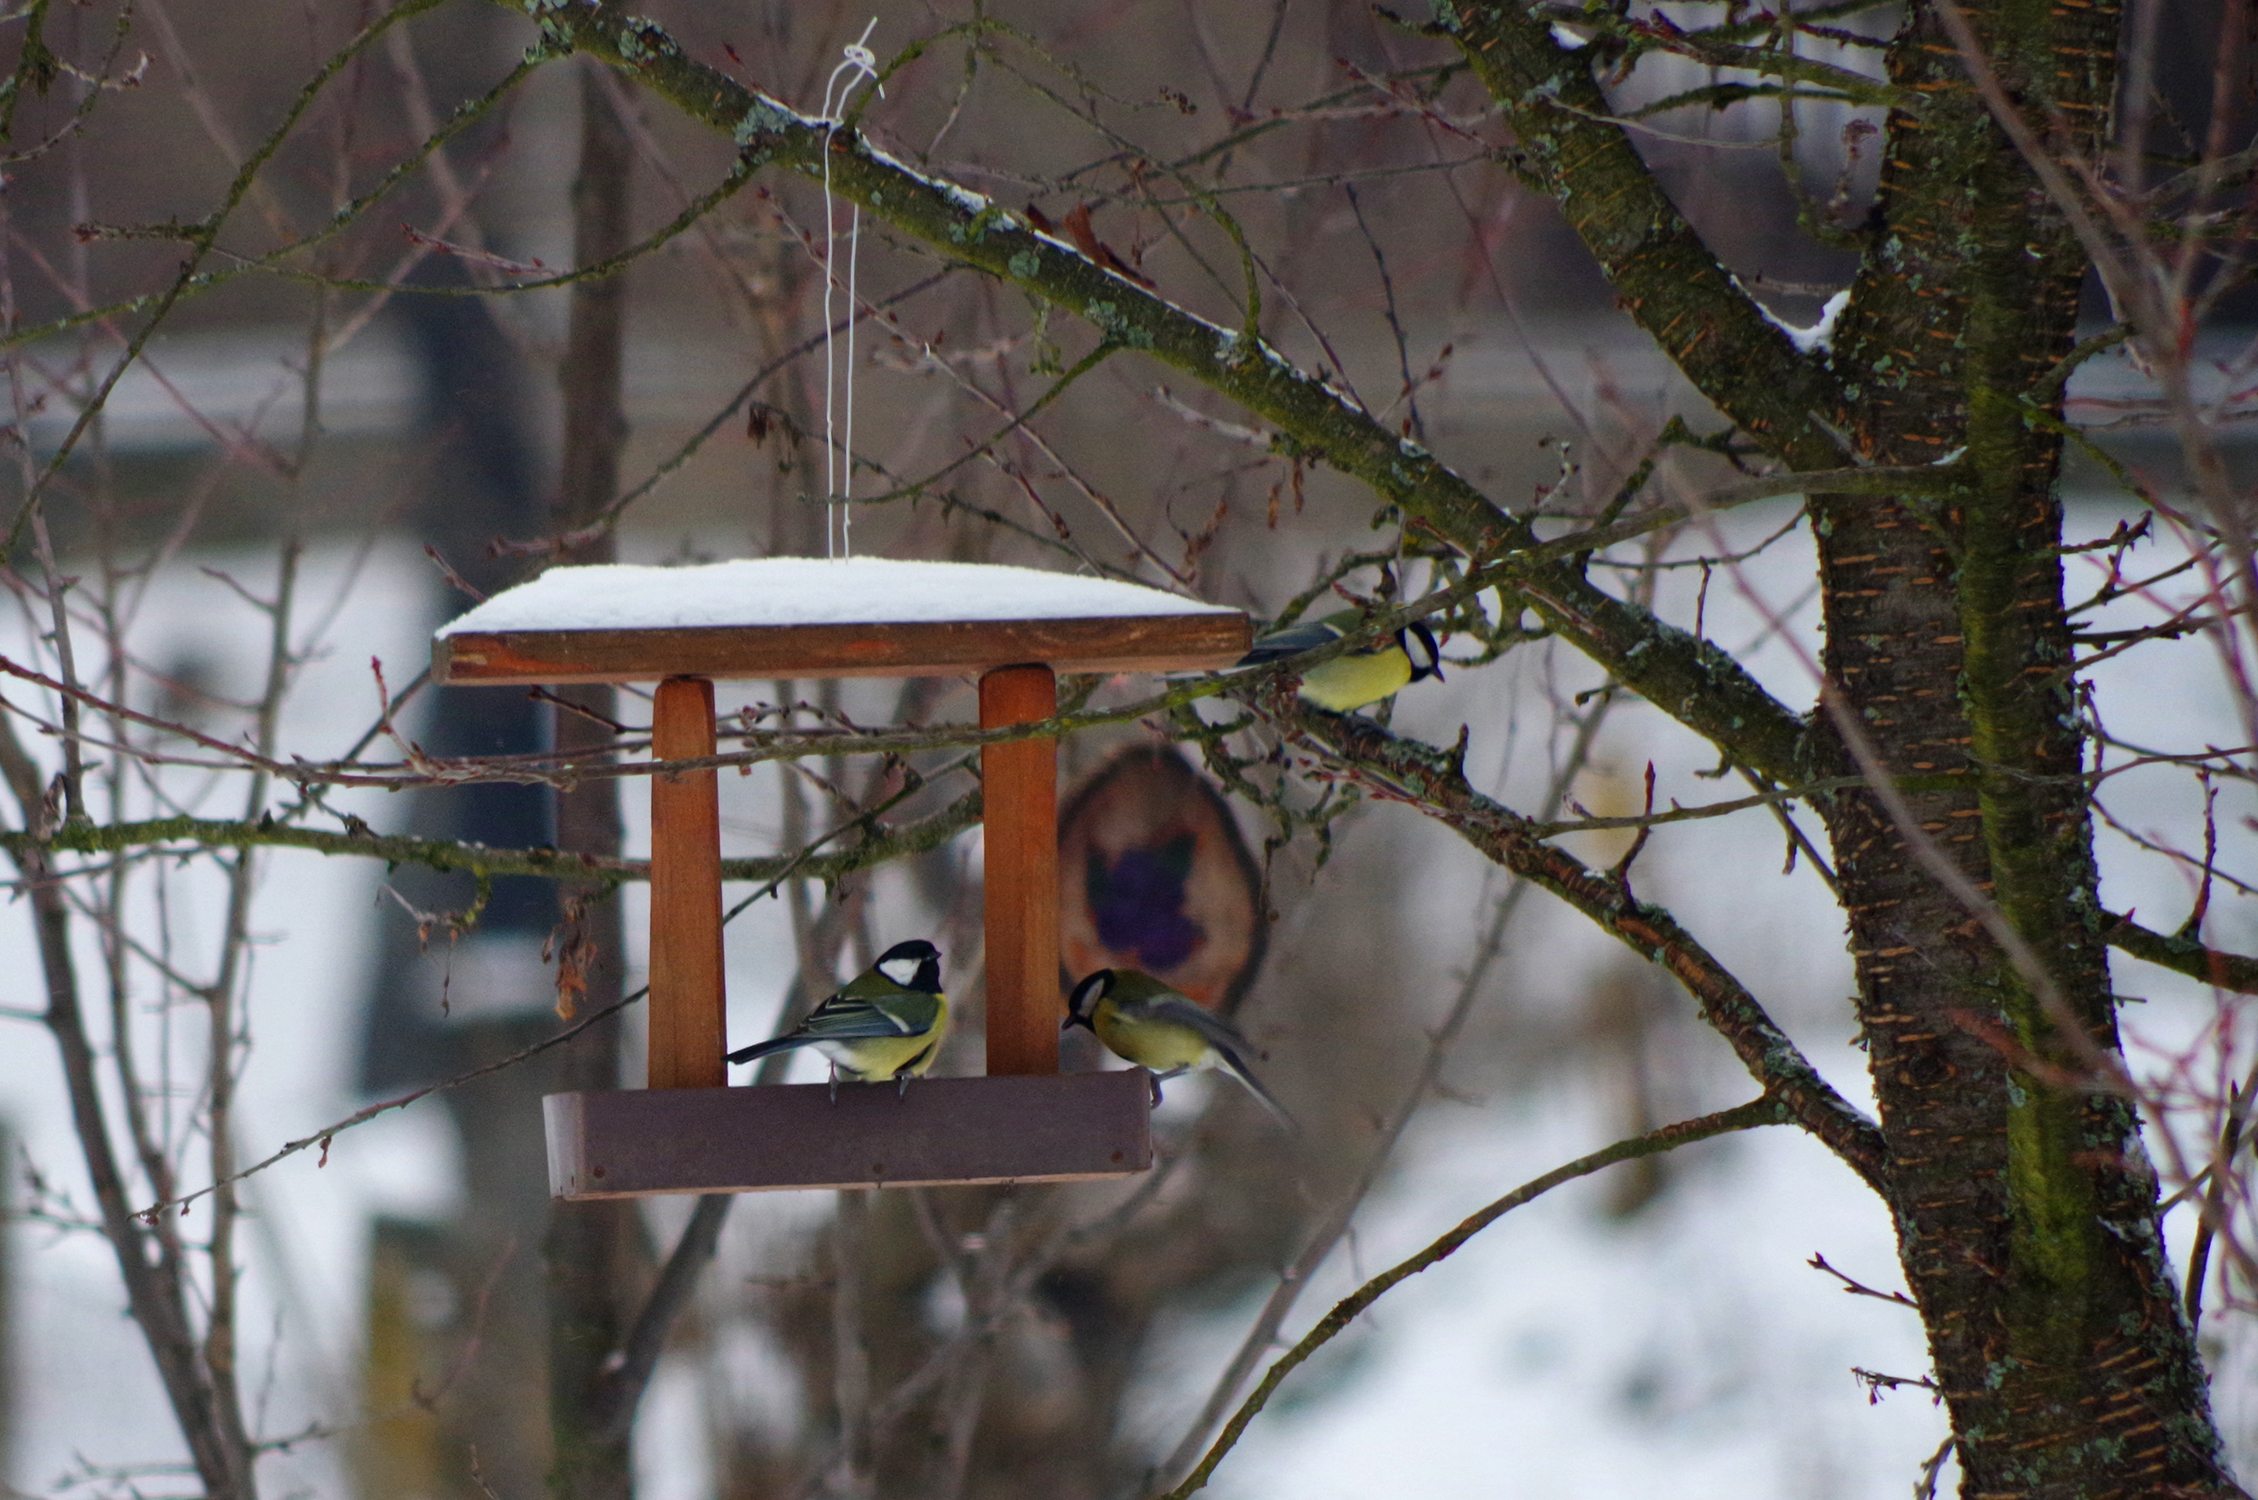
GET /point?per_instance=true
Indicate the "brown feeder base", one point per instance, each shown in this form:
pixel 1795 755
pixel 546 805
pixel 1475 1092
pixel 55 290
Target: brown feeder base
pixel 1053 1127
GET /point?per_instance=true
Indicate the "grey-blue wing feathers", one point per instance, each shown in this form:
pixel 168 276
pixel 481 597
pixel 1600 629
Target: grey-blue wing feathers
pixel 1229 1043
pixel 1290 641
pixel 845 1019
pixel 1213 1029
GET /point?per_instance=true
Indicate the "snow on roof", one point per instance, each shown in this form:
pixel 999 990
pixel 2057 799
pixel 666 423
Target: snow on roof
pixel 809 591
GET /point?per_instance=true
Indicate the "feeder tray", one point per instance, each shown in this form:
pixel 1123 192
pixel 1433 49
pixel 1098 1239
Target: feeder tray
pixel 1015 628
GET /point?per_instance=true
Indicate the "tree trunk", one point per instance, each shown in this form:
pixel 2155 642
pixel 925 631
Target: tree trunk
pixel 2026 1207
pixel 2027 1210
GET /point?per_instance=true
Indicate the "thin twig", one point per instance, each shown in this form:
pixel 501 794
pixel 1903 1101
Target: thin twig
pixel 1757 1112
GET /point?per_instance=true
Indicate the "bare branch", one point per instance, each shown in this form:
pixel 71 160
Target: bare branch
pixel 1749 1116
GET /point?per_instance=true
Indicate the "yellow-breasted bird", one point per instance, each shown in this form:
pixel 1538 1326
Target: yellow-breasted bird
pixel 1356 678
pixel 886 1022
pixel 1145 1022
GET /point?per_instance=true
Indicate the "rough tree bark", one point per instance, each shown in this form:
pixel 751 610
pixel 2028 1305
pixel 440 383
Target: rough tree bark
pixel 2026 1207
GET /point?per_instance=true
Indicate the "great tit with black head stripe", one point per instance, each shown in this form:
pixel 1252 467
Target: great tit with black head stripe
pixel 886 1022
pixel 1143 1021
pixel 1357 678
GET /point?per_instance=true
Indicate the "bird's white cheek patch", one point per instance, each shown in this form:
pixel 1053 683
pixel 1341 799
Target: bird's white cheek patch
pixel 899 970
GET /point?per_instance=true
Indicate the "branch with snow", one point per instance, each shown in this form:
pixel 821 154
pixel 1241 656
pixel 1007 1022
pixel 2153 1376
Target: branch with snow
pixel 1708 692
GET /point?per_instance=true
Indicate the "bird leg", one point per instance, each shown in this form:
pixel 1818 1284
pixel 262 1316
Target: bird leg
pixel 834 1083
pixel 901 1085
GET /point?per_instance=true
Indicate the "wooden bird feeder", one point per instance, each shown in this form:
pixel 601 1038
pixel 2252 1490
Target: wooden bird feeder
pixel 684 628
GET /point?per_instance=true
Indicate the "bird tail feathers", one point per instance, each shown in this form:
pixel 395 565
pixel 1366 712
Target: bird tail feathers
pixel 773 1044
pixel 1245 1075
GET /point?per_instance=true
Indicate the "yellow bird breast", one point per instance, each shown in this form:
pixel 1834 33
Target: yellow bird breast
pixel 875 1059
pixel 1152 1044
pixel 879 1058
pixel 1348 683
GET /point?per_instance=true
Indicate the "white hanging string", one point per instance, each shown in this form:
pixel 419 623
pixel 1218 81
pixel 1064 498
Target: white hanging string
pixel 858 62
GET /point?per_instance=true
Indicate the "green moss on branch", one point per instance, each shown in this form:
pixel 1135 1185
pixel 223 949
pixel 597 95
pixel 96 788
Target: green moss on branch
pixel 1685 677
pixel 1434 781
pixel 358 840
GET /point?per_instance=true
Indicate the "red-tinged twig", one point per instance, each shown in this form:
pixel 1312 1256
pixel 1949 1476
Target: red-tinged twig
pixel 320 1137
pixel 1877 1384
pixel 1925 1488
pixel 1438 784
pixel 1856 1288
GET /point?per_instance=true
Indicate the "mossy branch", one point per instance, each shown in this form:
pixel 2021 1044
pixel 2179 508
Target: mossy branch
pixel 1434 781
pixel 358 840
pixel 1570 148
pixel 1684 676
pixel 2184 955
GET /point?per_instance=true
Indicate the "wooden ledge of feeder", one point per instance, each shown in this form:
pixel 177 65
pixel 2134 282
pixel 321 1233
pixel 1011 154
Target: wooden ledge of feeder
pixel 1050 1127
pixel 809 617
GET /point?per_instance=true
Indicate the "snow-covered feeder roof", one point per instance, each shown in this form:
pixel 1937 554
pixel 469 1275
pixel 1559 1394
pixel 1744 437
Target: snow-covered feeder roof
pixel 812 617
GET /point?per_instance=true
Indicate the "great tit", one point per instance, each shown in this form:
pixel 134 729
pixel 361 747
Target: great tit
pixel 886 1022
pixel 1145 1022
pixel 1358 678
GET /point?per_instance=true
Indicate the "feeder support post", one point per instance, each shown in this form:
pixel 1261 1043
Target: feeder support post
pixel 686 997
pixel 1019 833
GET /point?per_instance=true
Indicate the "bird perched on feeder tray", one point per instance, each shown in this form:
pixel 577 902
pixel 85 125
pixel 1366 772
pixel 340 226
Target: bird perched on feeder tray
pixel 1145 1022
pixel 1359 677
pixel 886 1022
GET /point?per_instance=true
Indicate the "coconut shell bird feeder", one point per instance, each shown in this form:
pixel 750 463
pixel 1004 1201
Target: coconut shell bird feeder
pixel 1014 630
